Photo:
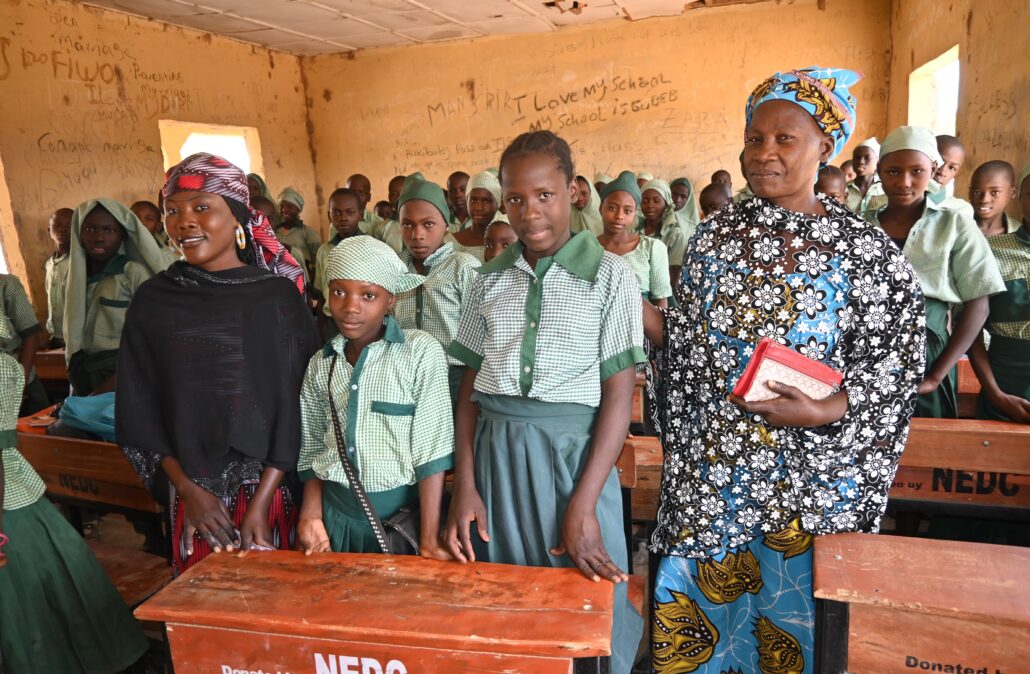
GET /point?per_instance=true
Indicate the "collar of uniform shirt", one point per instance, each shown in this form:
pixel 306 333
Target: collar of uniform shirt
pixel 580 256
pixel 393 334
pixel 443 251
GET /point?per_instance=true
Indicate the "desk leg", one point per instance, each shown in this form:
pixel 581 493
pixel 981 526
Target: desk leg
pixel 831 637
pixel 627 524
pixel 600 665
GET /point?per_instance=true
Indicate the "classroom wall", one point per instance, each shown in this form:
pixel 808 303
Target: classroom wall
pixel 661 95
pixel 993 118
pixel 83 90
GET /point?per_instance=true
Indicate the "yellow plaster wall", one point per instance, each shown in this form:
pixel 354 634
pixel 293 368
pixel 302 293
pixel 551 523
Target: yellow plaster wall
pixel 662 95
pixel 83 90
pixel 993 118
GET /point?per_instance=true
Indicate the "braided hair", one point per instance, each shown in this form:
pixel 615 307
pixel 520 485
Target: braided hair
pixel 541 142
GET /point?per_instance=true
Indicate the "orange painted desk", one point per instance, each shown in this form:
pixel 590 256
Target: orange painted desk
pixel 282 612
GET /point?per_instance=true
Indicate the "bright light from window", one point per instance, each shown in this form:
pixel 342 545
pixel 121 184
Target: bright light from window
pixel 933 93
pixel 238 144
pixel 233 148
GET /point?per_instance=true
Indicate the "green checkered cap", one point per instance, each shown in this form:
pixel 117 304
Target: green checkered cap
pixel 362 258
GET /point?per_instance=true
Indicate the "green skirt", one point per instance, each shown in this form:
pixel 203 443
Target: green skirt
pixel 58 610
pixel 1010 363
pixel 529 456
pixel 942 403
pixel 345 521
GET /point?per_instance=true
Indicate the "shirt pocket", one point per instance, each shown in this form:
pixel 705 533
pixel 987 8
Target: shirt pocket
pixel 390 431
pixel 393 409
pixel 110 319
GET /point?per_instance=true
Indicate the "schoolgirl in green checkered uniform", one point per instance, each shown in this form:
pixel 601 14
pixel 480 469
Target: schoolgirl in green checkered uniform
pixel 58 610
pixel 551 335
pixel 390 390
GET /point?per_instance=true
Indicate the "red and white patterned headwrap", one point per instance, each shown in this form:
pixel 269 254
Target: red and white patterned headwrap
pixel 203 172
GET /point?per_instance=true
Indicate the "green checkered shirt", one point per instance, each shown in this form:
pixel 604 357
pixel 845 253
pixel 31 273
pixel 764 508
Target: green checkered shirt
pixel 22 486
pixel 554 334
pixel 650 262
pixel 435 306
pixel 19 318
pixel 671 234
pixel 1010 310
pixel 394 411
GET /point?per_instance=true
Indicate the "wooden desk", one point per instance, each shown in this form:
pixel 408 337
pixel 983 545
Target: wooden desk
pixel 361 614
pixel 639 409
pixel 895 604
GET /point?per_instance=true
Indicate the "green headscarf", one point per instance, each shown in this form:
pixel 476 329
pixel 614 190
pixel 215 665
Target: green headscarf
pixel 138 246
pixel 916 138
pixel 690 214
pixel 626 182
pixel 363 258
pixel 418 188
pixel 589 217
pixel 292 196
pixel 665 192
pixel 486 181
pixel 264 186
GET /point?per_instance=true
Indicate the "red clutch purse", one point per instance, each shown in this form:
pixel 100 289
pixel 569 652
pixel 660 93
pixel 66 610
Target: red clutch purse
pixel 772 361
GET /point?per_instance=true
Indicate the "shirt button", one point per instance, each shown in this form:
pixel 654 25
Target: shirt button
pixel 532 324
pixel 527 369
pixel 350 449
pixel 353 387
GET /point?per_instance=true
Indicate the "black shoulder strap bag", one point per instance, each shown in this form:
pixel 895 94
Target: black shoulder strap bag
pixel 396 535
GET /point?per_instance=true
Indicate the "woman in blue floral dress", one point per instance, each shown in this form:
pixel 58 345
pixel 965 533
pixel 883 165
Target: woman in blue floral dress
pixel 746 486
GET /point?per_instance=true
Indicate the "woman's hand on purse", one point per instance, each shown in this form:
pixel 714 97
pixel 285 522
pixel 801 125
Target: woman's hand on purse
pixel 207 515
pixel 466 507
pixel 312 536
pixel 793 408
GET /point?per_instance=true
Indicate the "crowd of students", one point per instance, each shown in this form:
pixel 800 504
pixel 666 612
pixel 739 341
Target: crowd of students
pixel 493 326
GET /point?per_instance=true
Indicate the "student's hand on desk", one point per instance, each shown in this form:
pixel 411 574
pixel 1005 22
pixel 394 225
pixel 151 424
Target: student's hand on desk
pixel 312 536
pixel 434 549
pixel 466 507
pixel 581 540
pixel 255 529
pixel 1015 408
pixel 794 408
pixel 207 515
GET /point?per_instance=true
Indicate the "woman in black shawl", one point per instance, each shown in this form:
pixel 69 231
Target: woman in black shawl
pixel 213 354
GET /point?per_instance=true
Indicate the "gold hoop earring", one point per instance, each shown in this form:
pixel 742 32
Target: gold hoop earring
pixel 241 237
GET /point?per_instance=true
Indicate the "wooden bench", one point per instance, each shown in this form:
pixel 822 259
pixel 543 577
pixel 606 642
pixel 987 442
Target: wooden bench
pixel 960 462
pixel 137 575
pixel 51 366
pixel 337 613
pixel 639 410
pixel 896 604
pixel 968 389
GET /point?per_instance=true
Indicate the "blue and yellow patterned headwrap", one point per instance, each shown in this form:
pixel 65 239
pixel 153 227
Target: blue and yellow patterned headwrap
pixel 822 92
